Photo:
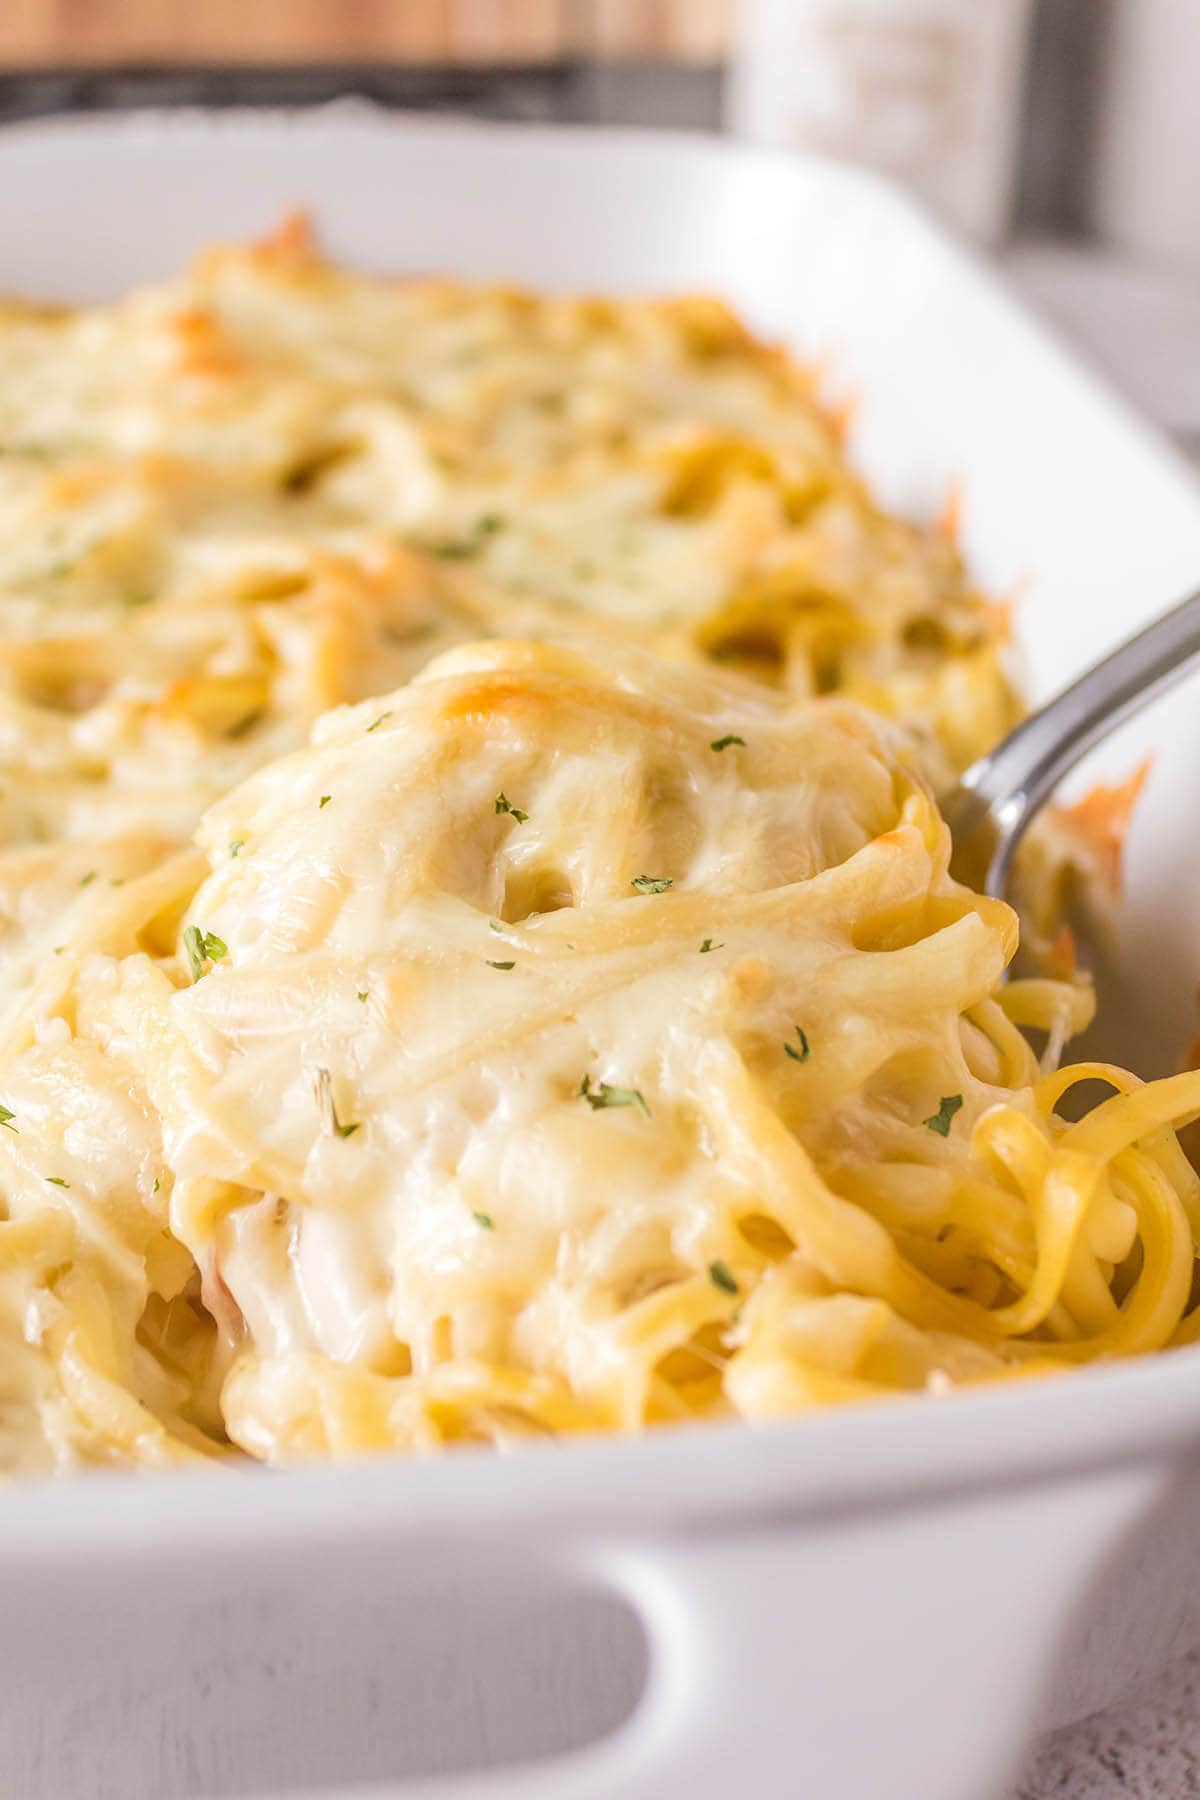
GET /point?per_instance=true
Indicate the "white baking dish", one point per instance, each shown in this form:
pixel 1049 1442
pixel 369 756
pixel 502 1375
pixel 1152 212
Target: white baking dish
pixel 883 1602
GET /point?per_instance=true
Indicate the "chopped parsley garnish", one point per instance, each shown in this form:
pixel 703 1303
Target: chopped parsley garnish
pixel 708 945
pixel 379 721
pixel 495 925
pixel 605 1095
pixel 940 1120
pixel 799 1051
pixel 323 802
pixel 416 634
pixel 246 725
pixel 57 1181
pixel 505 805
pixel 6 1118
pixel 652 884
pixel 157 1185
pixel 328 1110
pixel 236 844
pixel 723 743
pixel 362 994
pixel 502 965
pixel 720 1276
pixel 484 1221
pixel 202 947
pixel 87 880
pixel 459 549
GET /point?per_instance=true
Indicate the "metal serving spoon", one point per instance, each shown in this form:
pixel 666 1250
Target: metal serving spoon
pixel 999 795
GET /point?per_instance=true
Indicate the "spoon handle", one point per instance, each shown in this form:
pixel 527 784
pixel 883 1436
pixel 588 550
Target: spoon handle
pixel 1014 780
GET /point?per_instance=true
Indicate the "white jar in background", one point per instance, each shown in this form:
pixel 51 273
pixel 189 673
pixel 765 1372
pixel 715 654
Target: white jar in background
pixel 1145 174
pixel 928 91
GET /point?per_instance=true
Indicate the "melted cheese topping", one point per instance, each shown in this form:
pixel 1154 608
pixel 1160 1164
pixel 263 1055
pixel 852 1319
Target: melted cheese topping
pixel 569 1042
pixel 273 487
pixel 578 1037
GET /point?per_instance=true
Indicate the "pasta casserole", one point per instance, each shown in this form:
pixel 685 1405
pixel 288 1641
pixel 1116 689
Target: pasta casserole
pixel 480 957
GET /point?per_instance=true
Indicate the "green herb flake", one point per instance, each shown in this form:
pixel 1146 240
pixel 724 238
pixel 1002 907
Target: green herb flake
pixel 484 1221
pixel 6 1118
pixel 236 844
pixel 419 633
pixel 59 948
pixel 502 965
pixel 245 726
pixel 323 802
pixel 323 1086
pixel 652 884
pixel 708 945
pixel 800 1050
pixel 139 598
pixel 193 944
pixel 720 1276
pixel 724 743
pixel 940 1120
pixel 201 947
pixel 363 995
pixel 461 549
pixel 505 805
pixel 57 1181
pixel 378 722
pixel 495 925
pixel 157 1185
pixel 603 1094
pixel 87 880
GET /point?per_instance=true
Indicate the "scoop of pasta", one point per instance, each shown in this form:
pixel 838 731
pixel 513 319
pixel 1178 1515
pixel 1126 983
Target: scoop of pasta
pixel 576 1042
pixel 590 1045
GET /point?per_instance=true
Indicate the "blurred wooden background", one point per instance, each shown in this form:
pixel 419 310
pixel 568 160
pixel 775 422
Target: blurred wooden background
pixel 68 33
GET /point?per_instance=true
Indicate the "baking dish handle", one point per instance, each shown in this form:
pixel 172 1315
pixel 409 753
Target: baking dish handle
pixel 898 1653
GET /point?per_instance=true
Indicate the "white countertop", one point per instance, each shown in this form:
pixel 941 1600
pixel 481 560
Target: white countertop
pixel 1147 1750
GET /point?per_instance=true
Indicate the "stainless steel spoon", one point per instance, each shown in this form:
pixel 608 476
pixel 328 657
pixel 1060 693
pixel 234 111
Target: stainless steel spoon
pixel 1000 794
